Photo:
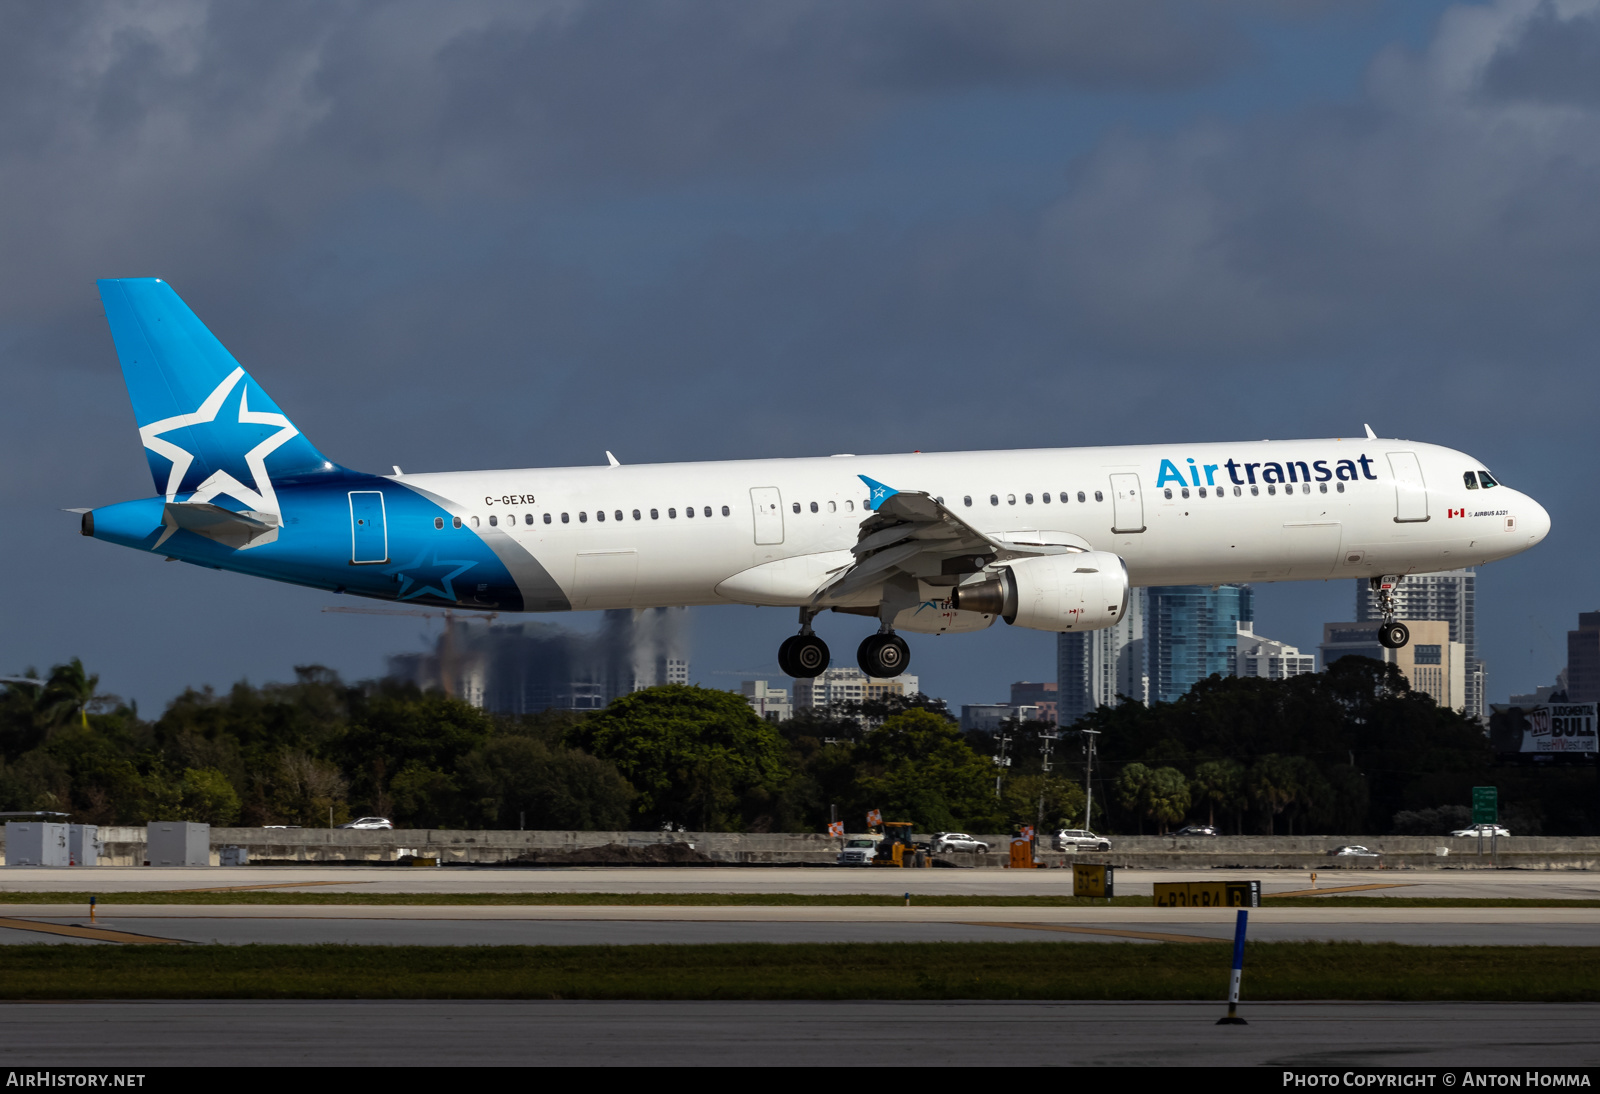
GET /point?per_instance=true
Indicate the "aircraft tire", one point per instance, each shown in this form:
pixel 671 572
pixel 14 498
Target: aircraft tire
pixel 884 655
pixel 1393 636
pixel 808 656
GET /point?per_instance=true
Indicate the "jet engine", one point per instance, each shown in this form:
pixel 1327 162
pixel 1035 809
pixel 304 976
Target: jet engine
pixel 1072 592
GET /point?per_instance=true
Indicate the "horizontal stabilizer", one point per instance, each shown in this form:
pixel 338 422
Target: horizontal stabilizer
pixel 224 526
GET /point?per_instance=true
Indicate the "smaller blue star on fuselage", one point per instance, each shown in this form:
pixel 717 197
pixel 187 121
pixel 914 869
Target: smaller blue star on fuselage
pixel 421 577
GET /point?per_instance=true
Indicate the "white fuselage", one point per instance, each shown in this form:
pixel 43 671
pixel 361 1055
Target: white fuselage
pixel 1209 513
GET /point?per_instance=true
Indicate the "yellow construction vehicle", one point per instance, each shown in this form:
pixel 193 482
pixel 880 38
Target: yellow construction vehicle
pixel 897 849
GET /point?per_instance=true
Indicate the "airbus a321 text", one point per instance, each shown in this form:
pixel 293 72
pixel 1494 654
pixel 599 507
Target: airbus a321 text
pixel 1051 539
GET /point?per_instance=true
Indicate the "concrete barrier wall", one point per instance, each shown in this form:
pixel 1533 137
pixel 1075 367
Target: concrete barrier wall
pixel 125 846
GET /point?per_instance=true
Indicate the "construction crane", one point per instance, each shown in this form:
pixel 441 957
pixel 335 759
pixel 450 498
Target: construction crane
pixel 447 645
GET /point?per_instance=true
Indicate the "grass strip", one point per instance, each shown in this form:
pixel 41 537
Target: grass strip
pixel 952 970
pixel 798 900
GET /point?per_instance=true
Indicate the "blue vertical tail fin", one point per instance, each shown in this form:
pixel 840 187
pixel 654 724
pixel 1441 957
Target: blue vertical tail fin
pixel 211 434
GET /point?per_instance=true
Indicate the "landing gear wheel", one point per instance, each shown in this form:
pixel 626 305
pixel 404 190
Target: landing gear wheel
pixel 884 656
pixel 1393 636
pixel 803 656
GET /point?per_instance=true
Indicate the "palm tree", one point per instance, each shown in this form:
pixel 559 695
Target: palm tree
pixel 1219 783
pixel 69 691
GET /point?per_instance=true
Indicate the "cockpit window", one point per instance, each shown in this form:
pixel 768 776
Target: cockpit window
pixel 1486 479
pixel 1471 479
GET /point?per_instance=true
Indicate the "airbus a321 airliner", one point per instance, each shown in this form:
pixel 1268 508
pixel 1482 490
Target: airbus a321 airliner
pixel 931 543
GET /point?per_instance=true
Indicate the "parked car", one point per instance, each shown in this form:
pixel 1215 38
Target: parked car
pixel 370 824
pixel 956 841
pixel 1080 839
pixel 1481 830
pixel 1196 830
pixel 1354 850
pixel 858 851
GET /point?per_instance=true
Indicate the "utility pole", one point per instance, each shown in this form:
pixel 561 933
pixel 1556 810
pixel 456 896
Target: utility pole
pixel 1001 761
pixel 1047 742
pixel 1088 777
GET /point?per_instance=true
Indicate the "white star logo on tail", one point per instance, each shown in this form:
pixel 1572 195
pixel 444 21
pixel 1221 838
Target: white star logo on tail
pixel 262 499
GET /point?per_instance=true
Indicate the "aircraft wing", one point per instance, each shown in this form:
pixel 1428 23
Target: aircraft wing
pixel 913 533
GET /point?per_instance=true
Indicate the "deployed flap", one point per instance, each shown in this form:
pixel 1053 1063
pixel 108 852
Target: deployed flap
pixel 224 526
pixel 913 533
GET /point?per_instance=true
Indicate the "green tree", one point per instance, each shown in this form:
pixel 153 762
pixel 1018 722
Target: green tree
pixel 518 778
pixel 1132 791
pixel 1220 784
pixel 916 767
pixel 1063 801
pixel 1273 783
pixel 1167 797
pixel 697 757
pixel 206 795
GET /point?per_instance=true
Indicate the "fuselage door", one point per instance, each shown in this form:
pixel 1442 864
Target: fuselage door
pixel 1410 492
pixel 767 504
pixel 1127 507
pixel 369 531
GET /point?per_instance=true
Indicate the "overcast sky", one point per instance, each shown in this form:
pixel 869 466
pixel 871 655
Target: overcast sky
pixel 465 235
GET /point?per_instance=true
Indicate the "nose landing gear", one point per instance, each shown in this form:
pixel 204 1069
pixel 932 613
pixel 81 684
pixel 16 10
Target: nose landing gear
pixel 1392 635
pixel 804 655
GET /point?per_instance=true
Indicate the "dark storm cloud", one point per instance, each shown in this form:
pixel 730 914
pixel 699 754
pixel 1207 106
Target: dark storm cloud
pixel 1556 59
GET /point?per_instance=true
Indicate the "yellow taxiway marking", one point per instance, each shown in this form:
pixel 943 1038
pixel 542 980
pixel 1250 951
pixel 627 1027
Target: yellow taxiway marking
pixel 1153 936
pixel 98 934
pixel 275 885
pixel 1340 889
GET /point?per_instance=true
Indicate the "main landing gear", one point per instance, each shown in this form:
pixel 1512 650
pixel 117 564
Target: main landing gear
pixel 884 654
pixel 805 656
pixel 1392 634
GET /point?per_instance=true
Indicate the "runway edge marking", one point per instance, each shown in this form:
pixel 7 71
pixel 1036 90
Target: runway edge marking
pixel 1152 936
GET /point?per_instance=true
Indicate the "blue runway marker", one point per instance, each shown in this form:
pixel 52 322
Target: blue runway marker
pixel 1233 1018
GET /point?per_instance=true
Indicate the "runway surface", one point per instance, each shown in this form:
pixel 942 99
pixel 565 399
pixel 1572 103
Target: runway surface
pixel 128 1036
pixel 623 924
pixel 1554 884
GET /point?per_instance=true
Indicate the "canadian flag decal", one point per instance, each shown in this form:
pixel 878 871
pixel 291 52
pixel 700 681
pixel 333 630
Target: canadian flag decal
pixel 1455 513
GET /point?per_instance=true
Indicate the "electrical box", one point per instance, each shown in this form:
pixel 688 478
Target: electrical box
pixel 32 843
pixel 233 856
pixel 83 845
pixel 177 843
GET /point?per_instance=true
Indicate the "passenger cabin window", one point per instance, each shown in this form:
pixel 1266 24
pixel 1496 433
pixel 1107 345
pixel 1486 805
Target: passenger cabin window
pixel 707 511
pixel 1255 491
pixel 813 508
pixel 1168 492
pixel 1028 498
pixel 527 518
pixel 565 519
pixel 547 518
pixel 1098 496
pixel 600 515
pixel 494 521
pixel 475 522
pixel 636 515
pixel 1236 491
pixel 849 507
pixel 688 511
pixel 438 522
pixel 1185 492
pixel 994 499
pixel 1045 497
pixel 1484 477
pixel 655 514
pixel 796 507
pixel 455 522
pixel 967 501
pixel 729 512
pixel 1081 498
pixel 583 518
pixel 833 507
pixel 672 514
pixel 1011 499
pixel 1322 486
pixel 1339 486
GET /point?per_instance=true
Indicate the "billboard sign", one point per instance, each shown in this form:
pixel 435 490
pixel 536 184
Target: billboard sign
pixel 1548 730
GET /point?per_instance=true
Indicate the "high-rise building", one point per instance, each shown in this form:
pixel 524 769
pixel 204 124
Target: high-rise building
pixel 1583 660
pixel 1257 656
pixel 1094 667
pixel 769 702
pixel 523 668
pixel 1450 596
pixel 1040 696
pixel 844 685
pixel 1430 662
pixel 1192 633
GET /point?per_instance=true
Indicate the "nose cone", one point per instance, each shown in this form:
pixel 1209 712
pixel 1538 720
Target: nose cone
pixel 1536 524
